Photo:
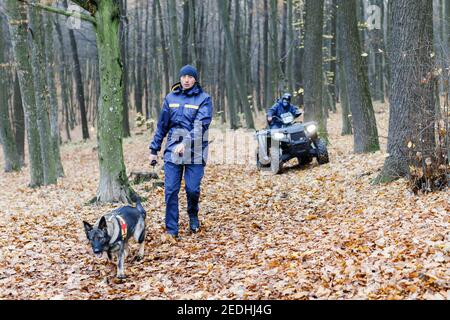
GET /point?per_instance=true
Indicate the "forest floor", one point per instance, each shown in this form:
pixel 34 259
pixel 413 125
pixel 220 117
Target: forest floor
pixel 313 232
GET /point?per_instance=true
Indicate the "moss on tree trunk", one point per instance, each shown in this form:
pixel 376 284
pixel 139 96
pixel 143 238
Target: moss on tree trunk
pixel 41 96
pixel 18 24
pixel 113 186
pixel 12 162
pixel 49 69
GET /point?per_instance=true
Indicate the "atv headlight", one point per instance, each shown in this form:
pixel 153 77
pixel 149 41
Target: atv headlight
pixel 278 136
pixel 311 129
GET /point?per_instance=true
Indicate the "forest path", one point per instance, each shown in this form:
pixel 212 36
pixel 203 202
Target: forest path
pixel 314 232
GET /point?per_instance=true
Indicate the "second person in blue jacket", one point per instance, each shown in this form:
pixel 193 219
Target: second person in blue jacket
pixel 281 106
pixel 185 118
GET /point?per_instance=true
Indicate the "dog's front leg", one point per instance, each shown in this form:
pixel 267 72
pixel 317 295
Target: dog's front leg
pixel 141 241
pixel 120 262
pixel 109 255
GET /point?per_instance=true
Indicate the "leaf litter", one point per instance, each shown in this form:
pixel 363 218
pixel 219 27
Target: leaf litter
pixel 314 232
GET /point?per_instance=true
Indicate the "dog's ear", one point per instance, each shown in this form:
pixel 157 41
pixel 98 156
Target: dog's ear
pixel 102 223
pixel 87 228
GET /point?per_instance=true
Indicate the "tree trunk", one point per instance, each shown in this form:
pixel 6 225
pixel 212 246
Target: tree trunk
pixel 185 45
pixel 313 75
pixel 258 79
pixel 291 47
pixel 382 55
pixel 78 82
pixel 19 121
pixel 41 95
pixel 299 48
pixel 223 84
pixel 198 37
pixel 446 14
pixel 236 75
pixel 229 84
pixel 274 59
pixel 11 156
pixel 346 120
pixel 174 39
pixel 363 116
pixel 327 99
pixel 147 110
pixel 87 93
pixel 195 43
pixel 138 93
pixel 388 45
pixel 237 37
pixel 412 98
pixel 124 59
pixel 72 115
pixel 268 101
pixel 54 108
pixel 247 56
pixel 375 39
pixel 165 57
pixel 12 161
pixel 155 81
pixel 333 69
pixel 231 96
pixel 18 26
pixel 284 39
pixel 360 21
pixel 62 79
pixel 113 185
pixel 438 41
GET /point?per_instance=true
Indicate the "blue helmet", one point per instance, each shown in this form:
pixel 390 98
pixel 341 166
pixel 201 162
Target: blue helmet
pixel 287 97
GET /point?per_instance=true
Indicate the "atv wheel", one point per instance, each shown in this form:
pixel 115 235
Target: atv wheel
pixel 322 152
pixel 303 161
pixel 259 165
pixel 276 165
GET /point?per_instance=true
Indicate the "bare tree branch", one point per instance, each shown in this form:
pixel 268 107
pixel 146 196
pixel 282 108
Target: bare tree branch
pixel 81 16
pixel 88 5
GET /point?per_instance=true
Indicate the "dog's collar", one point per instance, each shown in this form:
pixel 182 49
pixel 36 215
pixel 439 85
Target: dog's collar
pixel 123 226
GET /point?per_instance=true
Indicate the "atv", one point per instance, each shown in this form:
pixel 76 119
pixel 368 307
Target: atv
pixel 292 140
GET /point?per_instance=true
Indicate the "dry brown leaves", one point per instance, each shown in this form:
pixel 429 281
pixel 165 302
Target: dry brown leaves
pixel 310 233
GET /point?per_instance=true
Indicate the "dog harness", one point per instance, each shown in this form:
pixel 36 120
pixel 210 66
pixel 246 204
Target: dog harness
pixel 123 226
pixel 114 233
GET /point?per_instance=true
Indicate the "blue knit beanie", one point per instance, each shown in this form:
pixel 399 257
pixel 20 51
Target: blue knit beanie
pixel 189 71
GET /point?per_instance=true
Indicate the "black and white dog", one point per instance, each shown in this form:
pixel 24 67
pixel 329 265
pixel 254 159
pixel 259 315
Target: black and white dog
pixel 113 230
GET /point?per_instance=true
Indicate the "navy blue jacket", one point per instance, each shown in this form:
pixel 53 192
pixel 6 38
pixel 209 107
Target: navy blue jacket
pixel 185 117
pixel 278 109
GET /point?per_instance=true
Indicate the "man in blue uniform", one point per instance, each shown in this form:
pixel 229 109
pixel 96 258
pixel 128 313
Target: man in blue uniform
pixel 282 106
pixel 185 117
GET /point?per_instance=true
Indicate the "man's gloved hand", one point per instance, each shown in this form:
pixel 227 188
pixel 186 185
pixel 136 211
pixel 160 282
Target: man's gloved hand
pixel 153 157
pixel 269 119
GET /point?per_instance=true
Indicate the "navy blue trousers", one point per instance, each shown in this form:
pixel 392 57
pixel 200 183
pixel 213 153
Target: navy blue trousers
pixel 193 174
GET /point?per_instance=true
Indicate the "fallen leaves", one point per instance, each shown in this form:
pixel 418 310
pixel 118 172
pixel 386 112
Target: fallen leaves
pixel 317 232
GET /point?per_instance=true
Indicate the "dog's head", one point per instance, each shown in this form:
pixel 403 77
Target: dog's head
pixel 97 236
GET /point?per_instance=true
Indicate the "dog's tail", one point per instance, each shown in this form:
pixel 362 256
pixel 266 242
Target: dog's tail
pixel 135 198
